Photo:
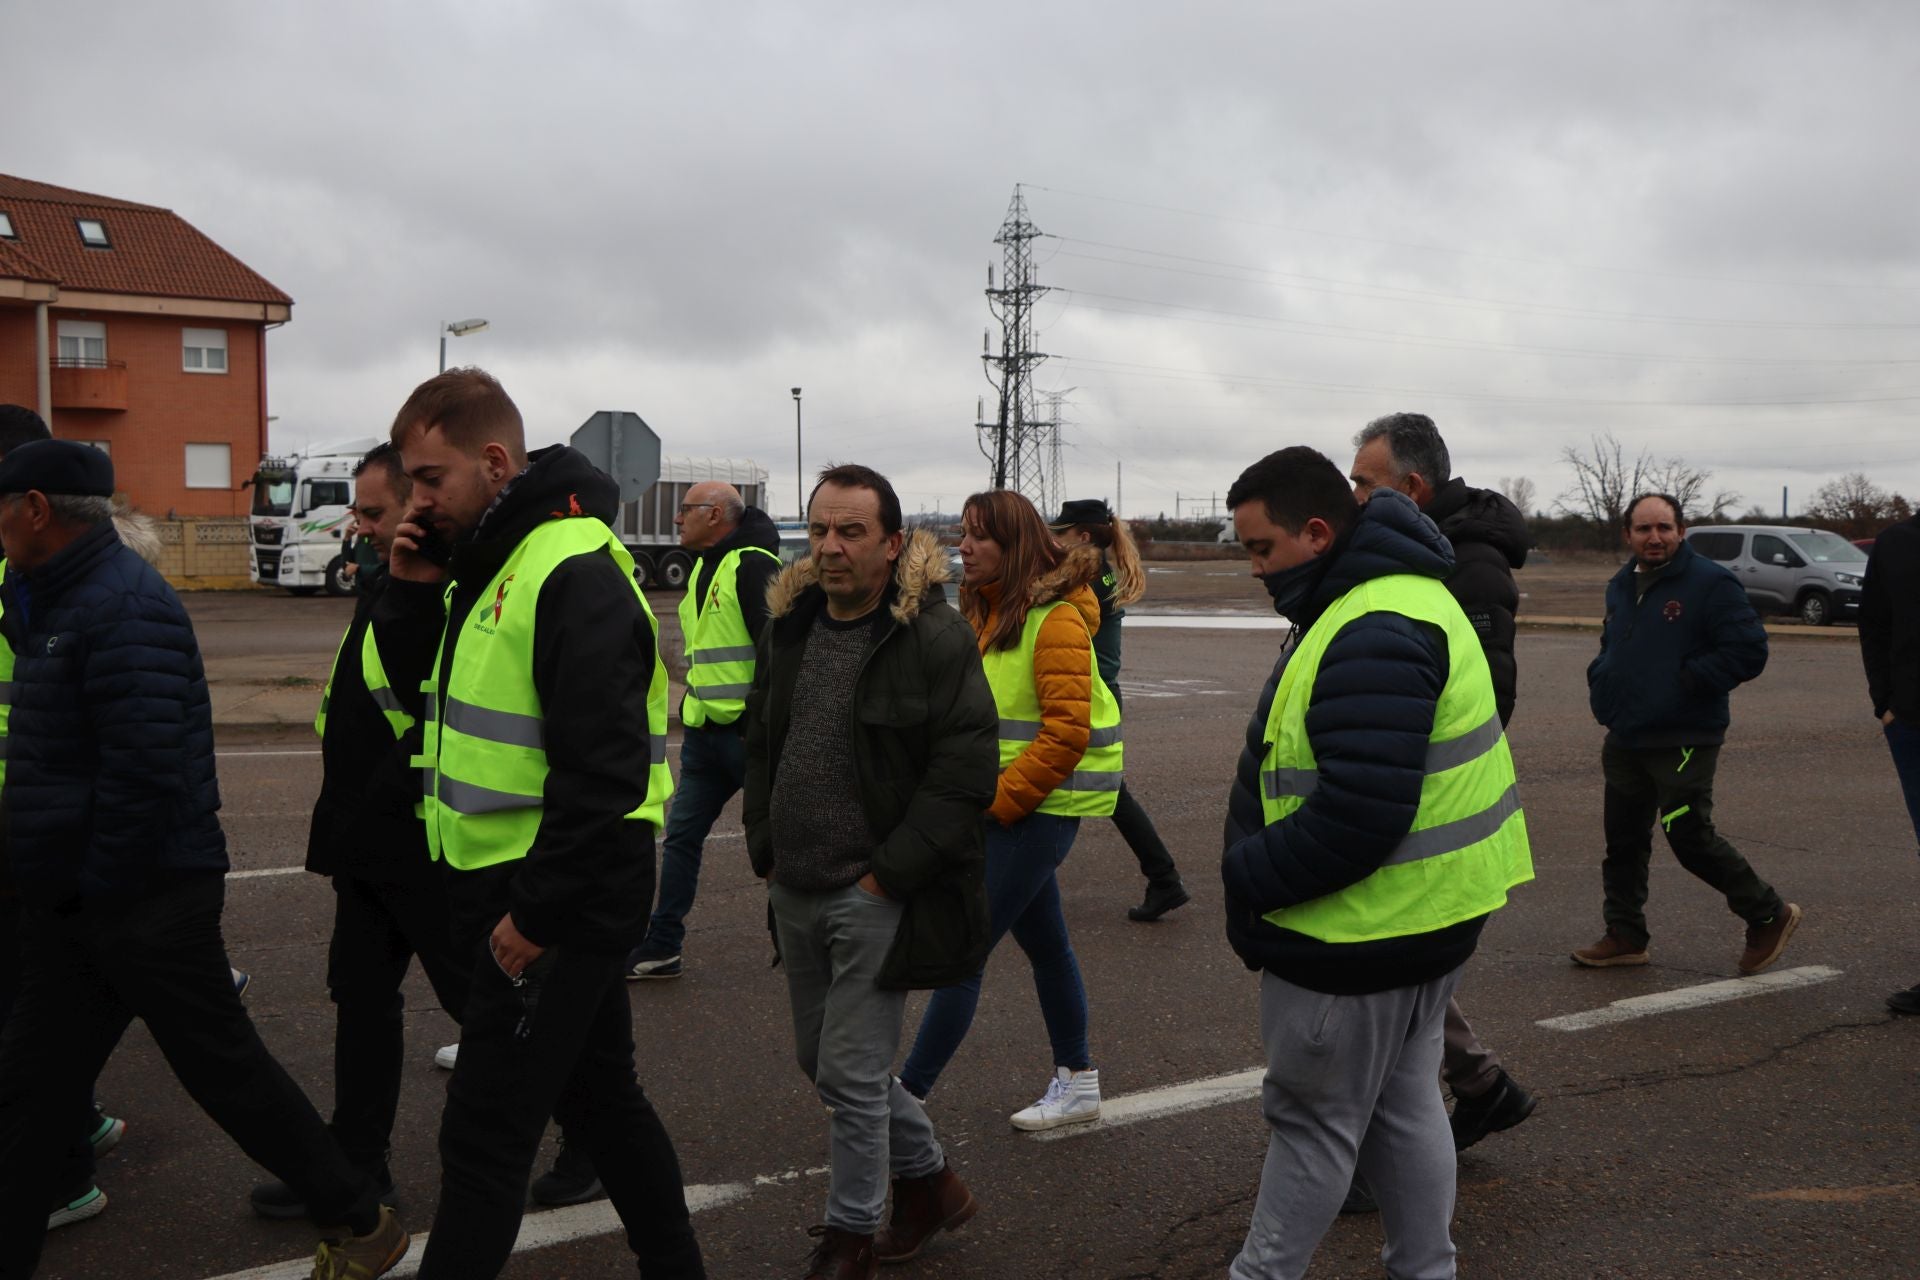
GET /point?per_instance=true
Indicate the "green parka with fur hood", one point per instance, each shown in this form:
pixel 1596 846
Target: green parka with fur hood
pixel 925 738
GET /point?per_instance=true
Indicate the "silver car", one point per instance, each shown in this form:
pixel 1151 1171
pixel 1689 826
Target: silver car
pixel 1810 573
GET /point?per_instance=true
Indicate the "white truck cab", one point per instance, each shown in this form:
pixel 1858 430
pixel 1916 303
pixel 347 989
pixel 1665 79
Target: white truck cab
pixel 302 504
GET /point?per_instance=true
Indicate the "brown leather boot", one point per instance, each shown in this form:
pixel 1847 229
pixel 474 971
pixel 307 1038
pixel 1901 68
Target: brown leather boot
pixel 840 1255
pixel 1766 941
pixel 1611 950
pixel 921 1207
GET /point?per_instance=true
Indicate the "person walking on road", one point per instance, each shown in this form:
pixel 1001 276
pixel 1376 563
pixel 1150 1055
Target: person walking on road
pixel 721 615
pixel 1405 452
pixel 115 847
pixel 1119 583
pixel 871 737
pixel 1372 828
pixel 1679 637
pixel 1032 606
pixel 545 778
pixel 389 902
pixel 1890 648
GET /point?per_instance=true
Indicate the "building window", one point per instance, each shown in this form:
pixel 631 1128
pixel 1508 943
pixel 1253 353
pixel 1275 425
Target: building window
pixel 209 466
pixel 103 446
pixel 203 350
pixel 6 227
pixel 83 345
pixel 93 233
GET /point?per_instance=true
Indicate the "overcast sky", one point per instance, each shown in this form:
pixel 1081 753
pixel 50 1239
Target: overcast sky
pixel 1692 225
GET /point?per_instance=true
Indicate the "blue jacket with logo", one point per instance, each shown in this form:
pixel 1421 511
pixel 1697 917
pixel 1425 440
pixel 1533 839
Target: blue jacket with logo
pixel 110 787
pixel 1670 655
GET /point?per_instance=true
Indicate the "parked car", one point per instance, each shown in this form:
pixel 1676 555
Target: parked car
pixel 1810 573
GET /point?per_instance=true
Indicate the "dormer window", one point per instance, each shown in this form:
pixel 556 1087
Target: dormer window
pixel 6 227
pixel 93 233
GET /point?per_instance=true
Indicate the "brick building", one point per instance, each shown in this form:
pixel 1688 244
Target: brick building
pixel 127 328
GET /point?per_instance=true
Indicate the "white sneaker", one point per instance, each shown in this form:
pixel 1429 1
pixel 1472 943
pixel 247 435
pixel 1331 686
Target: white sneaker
pixel 1072 1097
pixel 446 1056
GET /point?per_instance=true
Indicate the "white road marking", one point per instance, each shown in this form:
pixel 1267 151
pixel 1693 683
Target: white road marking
pixel 254 873
pixel 1209 621
pixel 537 1231
pixel 1194 1095
pixel 1692 997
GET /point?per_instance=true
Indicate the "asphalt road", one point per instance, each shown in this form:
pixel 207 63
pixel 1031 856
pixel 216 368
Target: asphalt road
pixel 1770 1136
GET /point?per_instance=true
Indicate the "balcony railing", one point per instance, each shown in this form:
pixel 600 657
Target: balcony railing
pixel 83 382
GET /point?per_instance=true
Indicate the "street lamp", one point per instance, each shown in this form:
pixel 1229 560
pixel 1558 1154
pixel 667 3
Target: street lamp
pixel 799 469
pixel 459 329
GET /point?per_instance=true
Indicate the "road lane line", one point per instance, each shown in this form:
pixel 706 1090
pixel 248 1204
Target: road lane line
pixel 537 1231
pixel 1692 998
pixel 1194 1095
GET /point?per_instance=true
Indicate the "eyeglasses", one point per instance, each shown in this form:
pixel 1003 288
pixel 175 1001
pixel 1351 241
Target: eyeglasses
pixel 694 506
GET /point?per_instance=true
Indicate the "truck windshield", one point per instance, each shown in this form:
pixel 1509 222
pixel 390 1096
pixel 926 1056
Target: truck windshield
pixel 1827 548
pixel 272 493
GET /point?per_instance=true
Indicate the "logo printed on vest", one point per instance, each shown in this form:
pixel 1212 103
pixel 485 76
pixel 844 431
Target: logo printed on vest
pixel 1672 610
pixel 500 598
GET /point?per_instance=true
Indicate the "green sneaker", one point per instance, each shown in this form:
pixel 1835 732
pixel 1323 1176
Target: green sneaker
pixel 87 1204
pixel 363 1257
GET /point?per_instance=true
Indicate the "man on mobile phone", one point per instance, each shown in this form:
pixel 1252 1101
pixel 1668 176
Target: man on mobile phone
pixel 547 689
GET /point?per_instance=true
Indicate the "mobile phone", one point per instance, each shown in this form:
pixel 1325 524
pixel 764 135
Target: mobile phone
pixel 433 548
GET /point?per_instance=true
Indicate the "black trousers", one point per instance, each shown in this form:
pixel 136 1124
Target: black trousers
pixel 1136 828
pixel 378 928
pixel 160 959
pixel 1674 787
pixel 72 1170
pixel 559 1044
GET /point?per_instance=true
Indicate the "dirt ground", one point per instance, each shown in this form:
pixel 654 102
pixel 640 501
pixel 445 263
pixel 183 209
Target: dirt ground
pixel 1565 585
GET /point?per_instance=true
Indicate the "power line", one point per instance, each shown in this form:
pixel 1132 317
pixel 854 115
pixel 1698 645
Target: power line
pixel 1518 259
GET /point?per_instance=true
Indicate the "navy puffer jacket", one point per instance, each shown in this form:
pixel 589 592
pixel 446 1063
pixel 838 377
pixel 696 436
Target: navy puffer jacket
pixel 1368 723
pixel 110 786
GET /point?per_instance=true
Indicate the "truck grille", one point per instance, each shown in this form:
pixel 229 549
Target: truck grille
pixel 267 535
pixel 267 564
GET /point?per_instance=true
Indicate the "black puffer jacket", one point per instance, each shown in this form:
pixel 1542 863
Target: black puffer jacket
pixel 1369 721
pixel 926 737
pixel 587 881
pixel 1489 537
pixel 110 787
pixel 1890 622
pixel 364 822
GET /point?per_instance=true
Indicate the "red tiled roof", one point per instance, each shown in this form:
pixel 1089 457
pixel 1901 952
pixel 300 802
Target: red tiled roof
pixel 154 252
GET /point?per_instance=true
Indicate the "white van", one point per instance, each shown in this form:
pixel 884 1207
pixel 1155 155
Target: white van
pixel 1808 572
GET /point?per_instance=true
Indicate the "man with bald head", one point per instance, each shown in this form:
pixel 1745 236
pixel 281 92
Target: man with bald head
pixel 720 618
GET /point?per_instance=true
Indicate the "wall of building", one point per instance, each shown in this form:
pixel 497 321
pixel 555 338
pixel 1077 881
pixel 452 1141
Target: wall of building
pixel 167 407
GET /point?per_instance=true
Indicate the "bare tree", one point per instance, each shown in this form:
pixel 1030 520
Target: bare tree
pixel 1855 506
pixel 1520 492
pixel 1604 481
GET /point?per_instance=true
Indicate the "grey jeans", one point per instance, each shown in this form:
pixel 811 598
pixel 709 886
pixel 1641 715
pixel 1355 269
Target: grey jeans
pixel 1350 1084
pixel 846 1031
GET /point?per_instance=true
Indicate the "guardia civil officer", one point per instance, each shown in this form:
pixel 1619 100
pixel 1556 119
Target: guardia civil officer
pixel 1372 828
pixel 544 776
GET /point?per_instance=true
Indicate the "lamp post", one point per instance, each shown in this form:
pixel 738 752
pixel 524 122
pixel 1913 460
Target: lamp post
pixel 799 469
pixel 459 329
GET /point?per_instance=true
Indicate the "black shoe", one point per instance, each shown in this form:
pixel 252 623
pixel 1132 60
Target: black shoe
pixel 570 1181
pixel 1360 1198
pixel 1501 1107
pixel 1161 898
pixel 1907 1001
pixel 279 1201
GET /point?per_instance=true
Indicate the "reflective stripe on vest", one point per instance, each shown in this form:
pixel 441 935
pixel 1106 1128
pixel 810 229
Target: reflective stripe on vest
pixel 372 674
pixel 1093 790
pixel 484 762
pixel 718 647
pixel 1468 844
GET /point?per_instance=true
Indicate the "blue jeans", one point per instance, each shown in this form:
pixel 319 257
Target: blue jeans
pixel 1903 740
pixel 713 766
pixel 1024 896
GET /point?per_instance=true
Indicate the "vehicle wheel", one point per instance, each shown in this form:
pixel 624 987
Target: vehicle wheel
pixel 338 583
pixel 1815 609
pixel 674 569
pixel 643 572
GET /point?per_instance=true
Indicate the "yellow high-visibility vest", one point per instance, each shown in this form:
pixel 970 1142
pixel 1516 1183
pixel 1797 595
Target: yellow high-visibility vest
pixel 1094 788
pixel 717 644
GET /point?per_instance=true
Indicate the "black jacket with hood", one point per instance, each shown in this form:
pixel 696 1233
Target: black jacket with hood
pixel 587 881
pixel 751 579
pixel 1369 722
pixel 1489 537
pixel 1890 622
pixel 925 735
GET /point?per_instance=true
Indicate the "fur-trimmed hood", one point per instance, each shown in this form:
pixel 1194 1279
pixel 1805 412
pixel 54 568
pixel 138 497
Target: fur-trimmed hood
pixel 920 570
pixel 1071 581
